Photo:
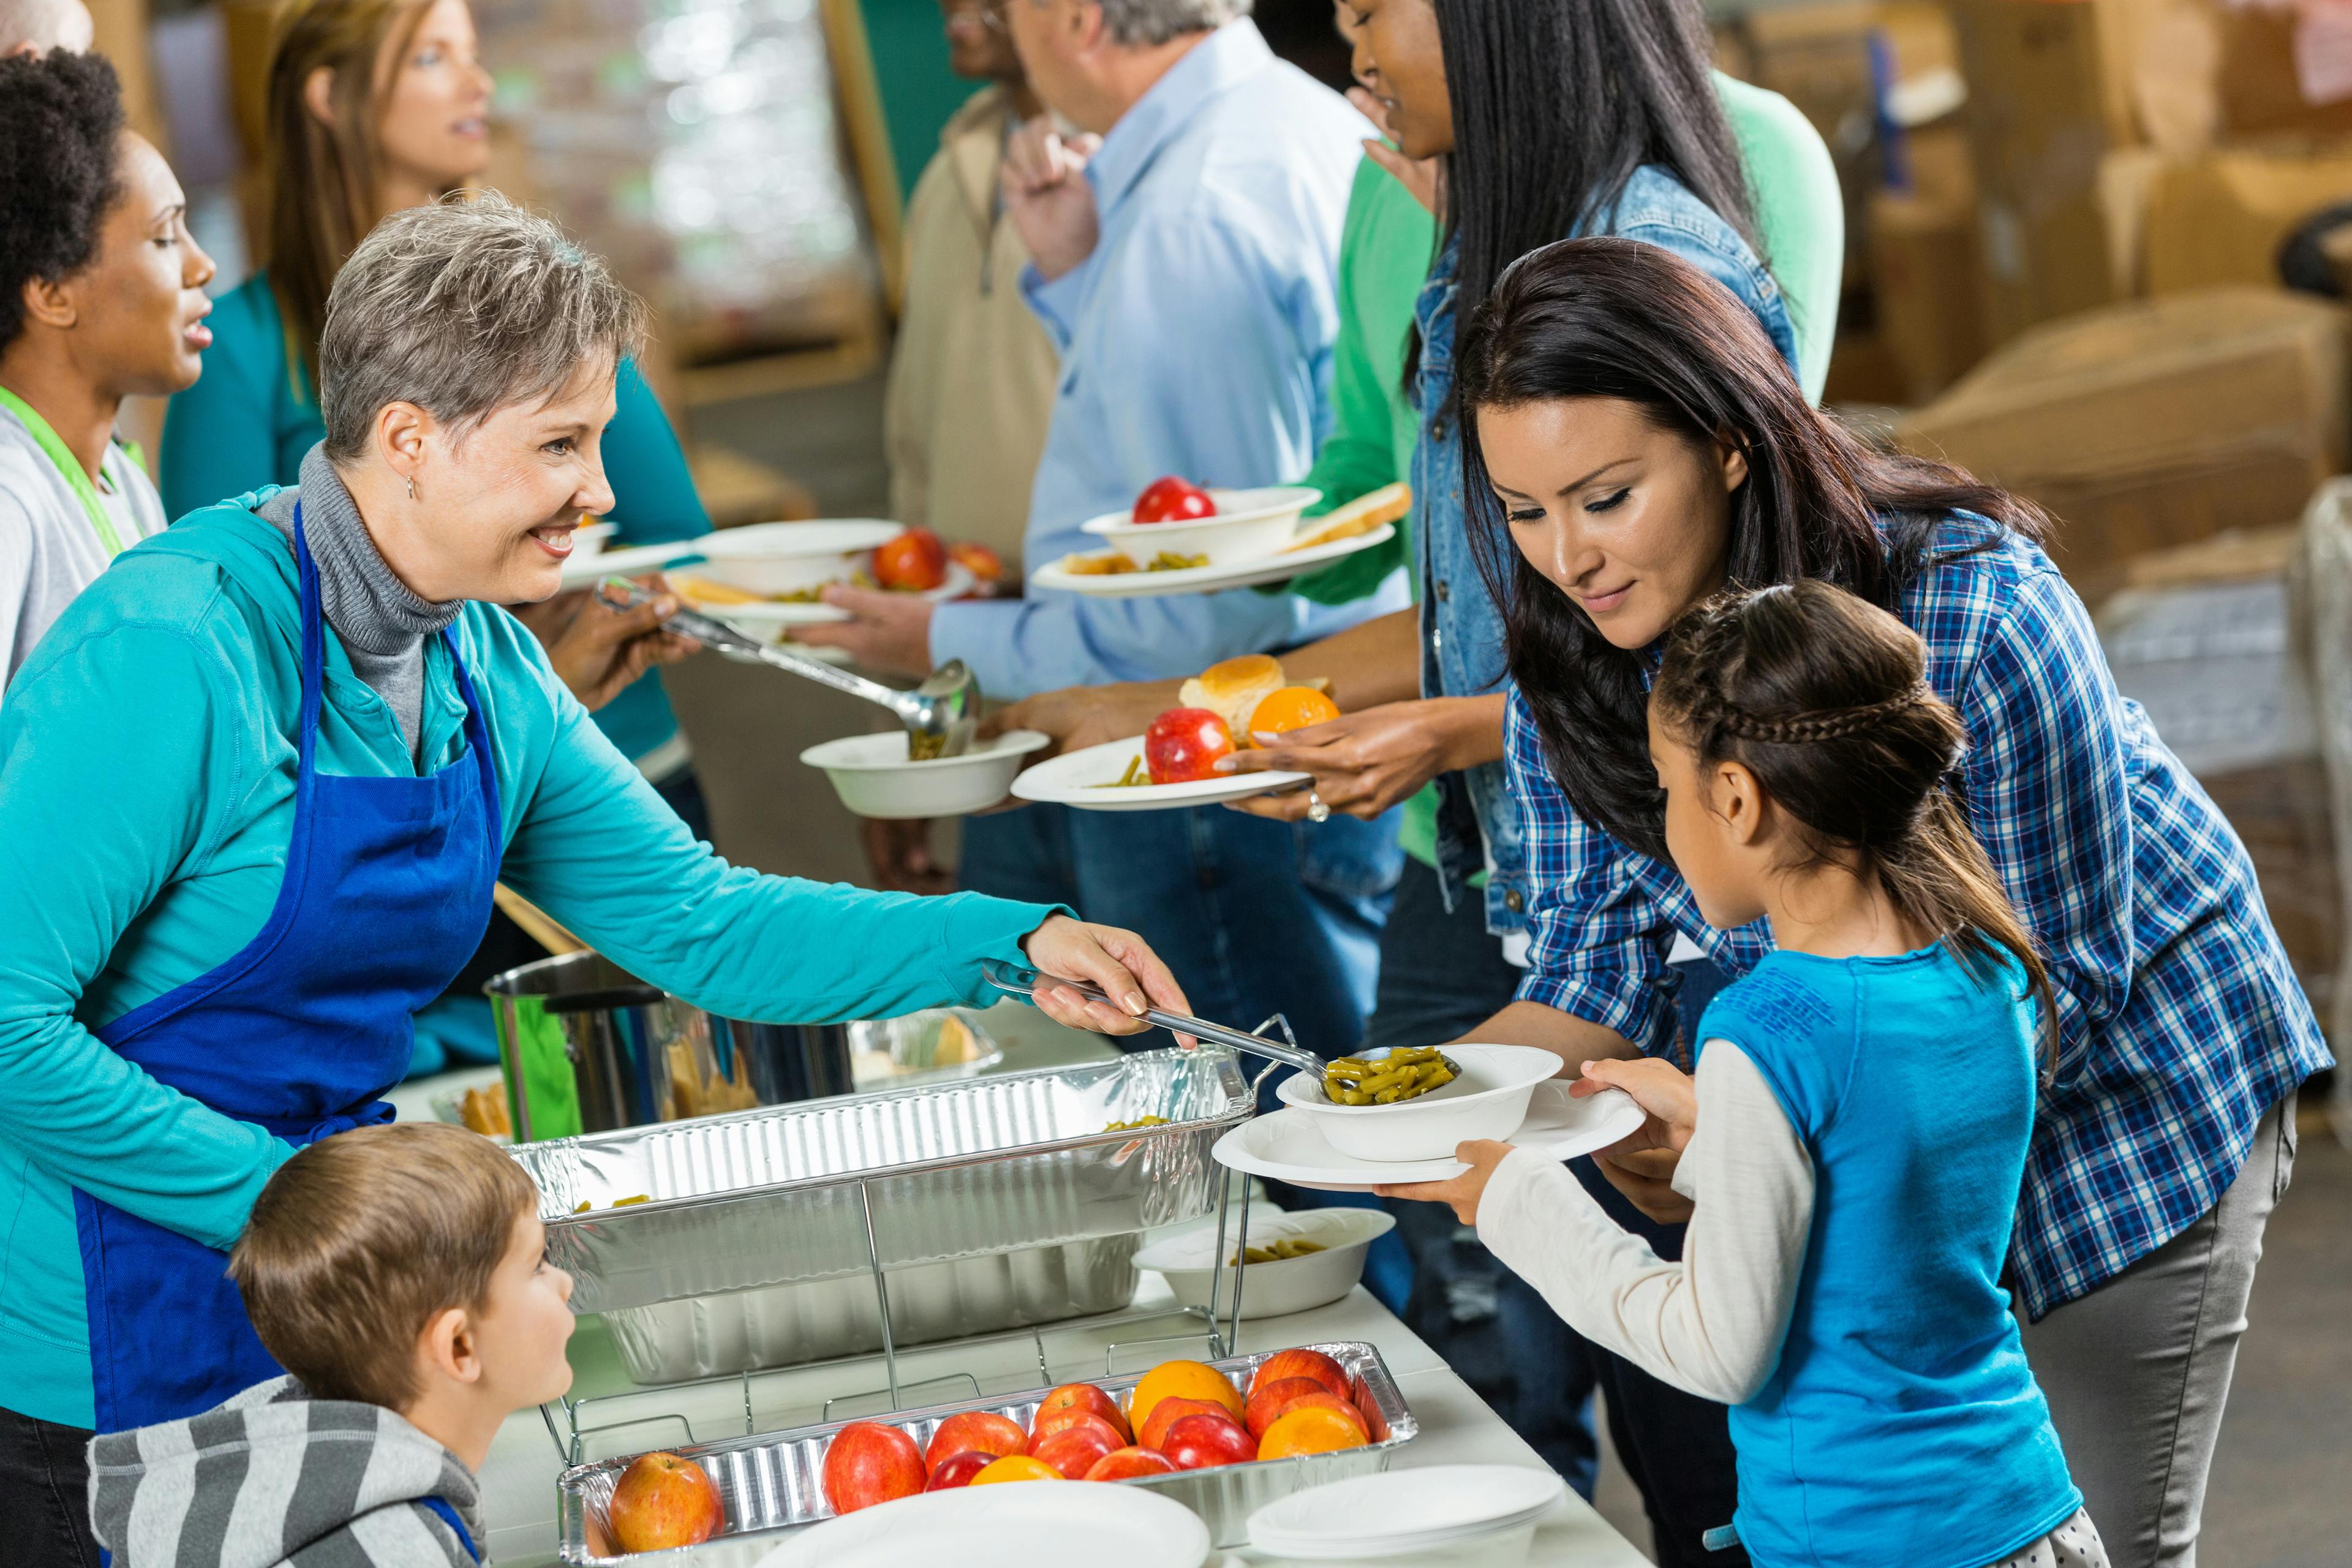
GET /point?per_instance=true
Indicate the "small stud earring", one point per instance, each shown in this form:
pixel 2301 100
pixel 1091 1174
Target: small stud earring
pixel 411 486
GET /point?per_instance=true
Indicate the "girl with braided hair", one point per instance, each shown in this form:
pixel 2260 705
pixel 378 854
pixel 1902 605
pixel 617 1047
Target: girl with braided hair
pixel 1876 1068
pixel 1634 445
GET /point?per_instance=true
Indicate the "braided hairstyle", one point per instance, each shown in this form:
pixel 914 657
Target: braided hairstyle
pixel 1823 696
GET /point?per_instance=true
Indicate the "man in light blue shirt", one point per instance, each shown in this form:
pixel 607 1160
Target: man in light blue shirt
pixel 1185 267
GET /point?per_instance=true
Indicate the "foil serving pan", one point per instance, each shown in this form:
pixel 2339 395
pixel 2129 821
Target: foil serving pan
pixel 774 1484
pixel 825 1188
pixel 820 1320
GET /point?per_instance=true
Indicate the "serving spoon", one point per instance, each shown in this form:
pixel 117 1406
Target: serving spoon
pixel 940 715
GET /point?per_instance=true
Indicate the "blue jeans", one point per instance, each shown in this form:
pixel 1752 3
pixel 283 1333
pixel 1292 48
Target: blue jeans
pixel 1442 975
pixel 1253 916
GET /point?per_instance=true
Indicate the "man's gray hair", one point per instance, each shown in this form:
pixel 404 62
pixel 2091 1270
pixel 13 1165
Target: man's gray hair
pixel 1141 23
pixel 464 307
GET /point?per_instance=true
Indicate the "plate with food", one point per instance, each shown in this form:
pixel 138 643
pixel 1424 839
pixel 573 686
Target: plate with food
pixel 1173 762
pixel 1418 1103
pixel 767 617
pixel 1289 1146
pixel 1263 542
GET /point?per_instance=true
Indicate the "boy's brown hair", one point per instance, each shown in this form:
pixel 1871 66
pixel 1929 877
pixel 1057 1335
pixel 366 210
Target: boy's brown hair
pixel 358 1240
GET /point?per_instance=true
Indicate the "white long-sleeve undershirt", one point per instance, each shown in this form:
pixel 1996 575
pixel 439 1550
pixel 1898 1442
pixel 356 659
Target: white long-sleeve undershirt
pixel 1714 1322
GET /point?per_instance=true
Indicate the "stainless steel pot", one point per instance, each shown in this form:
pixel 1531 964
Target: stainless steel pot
pixel 589 1048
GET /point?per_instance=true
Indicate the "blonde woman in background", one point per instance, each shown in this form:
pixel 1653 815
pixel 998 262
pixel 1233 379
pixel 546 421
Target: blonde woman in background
pixel 373 107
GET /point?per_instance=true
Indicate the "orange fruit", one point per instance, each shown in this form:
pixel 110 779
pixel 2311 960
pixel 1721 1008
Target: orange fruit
pixel 1311 1429
pixel 1181 1380
pixel 1022 1468
pixel 1292 708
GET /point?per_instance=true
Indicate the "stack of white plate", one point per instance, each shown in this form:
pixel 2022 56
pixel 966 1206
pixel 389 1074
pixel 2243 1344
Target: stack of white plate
pixel 1460 1515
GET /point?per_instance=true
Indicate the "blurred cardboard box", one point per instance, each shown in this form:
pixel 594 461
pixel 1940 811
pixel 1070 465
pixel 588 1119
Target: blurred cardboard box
pixel 2204 638
pixel 2222 215
pixel 2050 101
pixel 2155 424
pixel 1927 287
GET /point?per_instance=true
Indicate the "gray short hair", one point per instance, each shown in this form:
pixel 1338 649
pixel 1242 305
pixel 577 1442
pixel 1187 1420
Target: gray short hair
pixel 462 308
pixel 1139 24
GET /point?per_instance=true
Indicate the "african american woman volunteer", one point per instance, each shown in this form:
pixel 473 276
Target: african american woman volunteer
pixel 256 782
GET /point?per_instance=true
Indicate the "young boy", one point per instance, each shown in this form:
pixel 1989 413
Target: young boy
pixel 399 1274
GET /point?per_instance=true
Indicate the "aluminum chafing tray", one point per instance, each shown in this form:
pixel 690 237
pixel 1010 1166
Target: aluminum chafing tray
pixel 773 1484
pixel 826 1188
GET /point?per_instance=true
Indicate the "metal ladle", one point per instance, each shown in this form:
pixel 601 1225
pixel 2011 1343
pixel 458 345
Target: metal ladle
pixel 940 715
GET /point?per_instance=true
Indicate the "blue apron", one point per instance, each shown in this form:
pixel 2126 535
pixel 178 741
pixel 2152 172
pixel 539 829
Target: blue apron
pixel 387 894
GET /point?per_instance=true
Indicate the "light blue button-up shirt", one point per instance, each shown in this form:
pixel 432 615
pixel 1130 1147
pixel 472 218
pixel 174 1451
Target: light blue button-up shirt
pixel 1196 340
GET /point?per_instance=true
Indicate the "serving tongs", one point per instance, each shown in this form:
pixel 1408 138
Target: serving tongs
pixel 940 715
pixel 1025 983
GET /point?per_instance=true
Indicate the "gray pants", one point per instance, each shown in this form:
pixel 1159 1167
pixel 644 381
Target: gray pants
pixel 2138 1372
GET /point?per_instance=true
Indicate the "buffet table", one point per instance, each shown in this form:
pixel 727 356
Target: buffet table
pixel 619 1417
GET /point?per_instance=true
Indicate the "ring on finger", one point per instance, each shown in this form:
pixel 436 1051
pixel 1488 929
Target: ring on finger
pixel 1316 812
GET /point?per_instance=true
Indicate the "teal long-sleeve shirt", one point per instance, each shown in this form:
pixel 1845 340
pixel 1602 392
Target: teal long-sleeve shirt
pixel 147 772
pixel 251 417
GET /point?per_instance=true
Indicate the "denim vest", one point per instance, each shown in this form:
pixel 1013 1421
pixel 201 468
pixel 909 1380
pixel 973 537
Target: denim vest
pixel 1461 627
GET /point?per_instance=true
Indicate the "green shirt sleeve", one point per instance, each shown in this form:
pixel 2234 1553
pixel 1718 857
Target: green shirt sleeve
pixel 1799 216
pixel 599 850
pixel 117 747
pixel 1386 245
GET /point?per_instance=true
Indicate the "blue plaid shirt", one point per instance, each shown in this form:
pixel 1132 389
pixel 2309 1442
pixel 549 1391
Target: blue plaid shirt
pixel 2179 1021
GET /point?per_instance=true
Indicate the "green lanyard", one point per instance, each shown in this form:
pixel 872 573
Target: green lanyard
pixel 70 466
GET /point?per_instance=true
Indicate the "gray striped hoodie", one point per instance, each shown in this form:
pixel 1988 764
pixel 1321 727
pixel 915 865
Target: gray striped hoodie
pixel 276 1476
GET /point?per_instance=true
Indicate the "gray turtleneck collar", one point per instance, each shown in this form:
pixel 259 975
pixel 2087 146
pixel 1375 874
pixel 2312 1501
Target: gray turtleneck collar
pixel 382 624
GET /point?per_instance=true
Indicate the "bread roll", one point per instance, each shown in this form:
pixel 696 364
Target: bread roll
pixel 1233 688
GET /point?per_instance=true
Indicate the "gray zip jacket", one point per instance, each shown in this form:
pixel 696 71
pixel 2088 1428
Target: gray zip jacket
pixel 275 1477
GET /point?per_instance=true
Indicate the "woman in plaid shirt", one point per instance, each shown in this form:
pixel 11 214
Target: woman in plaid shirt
pixel 1633 442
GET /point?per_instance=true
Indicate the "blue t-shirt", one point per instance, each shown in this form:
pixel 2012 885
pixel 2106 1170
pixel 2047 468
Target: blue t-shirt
pixel 1902 1425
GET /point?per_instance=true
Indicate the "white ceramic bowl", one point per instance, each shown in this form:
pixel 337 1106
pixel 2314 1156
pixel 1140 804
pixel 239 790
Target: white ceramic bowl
pixel 1187 1258
pixel 1460 1515
pixel 1003 1527
pixel 1249 524
pixel 770 558
pixel 1489 1100
pixel 874 778
pixel 588 540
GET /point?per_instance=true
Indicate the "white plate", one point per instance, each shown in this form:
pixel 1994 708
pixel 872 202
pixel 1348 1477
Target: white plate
pixel 763 614
pixel 1210 579
pixel 874 778
pixel 1489 1100
pixel 585 571
pixel 1374 1516
pixel 1089 779
pixel 1288 1145
pixel 1017 1525
pixel 1249 526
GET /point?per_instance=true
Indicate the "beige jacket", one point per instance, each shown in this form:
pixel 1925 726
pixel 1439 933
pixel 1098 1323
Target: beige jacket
pixel 972 384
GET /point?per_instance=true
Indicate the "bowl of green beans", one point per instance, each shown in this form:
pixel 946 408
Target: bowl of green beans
pixel 1417 1103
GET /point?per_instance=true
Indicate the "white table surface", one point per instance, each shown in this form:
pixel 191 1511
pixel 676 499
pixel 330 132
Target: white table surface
pixel 518 1479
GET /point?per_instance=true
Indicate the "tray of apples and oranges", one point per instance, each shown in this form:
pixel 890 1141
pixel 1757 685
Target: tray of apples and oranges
pixel 1173 762
pixel 1222 1437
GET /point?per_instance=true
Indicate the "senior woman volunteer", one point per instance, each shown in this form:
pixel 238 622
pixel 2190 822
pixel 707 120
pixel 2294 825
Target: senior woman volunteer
pixel 236 851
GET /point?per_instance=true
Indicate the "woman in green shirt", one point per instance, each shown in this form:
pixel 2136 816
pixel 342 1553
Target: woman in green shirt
pixel 374 106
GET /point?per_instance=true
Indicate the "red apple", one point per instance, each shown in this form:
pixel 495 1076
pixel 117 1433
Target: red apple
pixel 1203 1442
pixel 1303 1363
pixel 1181 744
pixel 662 1500
pixel 977 1431
pixel 957 1469
pixel 1167 1413
pixel 1083 1396
pixel 1074 1450
pixel 914 561
pixel 1120 1463
pixel 1054 1423
pixel 1172 500
pixel 867 1462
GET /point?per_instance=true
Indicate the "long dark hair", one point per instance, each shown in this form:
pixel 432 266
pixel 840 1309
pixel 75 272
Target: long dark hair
pixel 1824 698
pixel 1618 319
pixel 1556 104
